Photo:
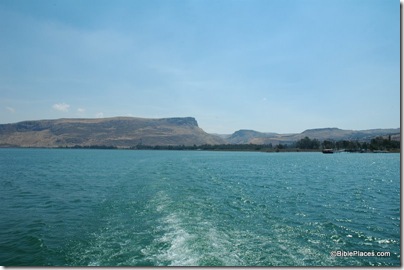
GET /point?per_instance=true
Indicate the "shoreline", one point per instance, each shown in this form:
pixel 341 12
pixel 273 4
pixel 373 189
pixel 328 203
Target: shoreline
pixel 191 148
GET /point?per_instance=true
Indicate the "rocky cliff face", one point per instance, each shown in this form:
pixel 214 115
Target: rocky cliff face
pixel 117 131
pixel 184 121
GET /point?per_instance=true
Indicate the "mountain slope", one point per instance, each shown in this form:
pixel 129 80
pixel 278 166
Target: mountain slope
pixel 335 134
pixel 244 136
pixel 117 131
pixel 130 131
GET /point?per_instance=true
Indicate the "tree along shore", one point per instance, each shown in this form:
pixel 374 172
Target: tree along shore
pixel 304 145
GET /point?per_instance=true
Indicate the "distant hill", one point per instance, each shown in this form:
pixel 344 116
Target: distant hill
pixel 244 136
pixel 334 134
pixel 340 134
pixel 125 132
pixel 117 132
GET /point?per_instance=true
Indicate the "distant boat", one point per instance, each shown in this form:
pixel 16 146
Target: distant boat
pixel 328 151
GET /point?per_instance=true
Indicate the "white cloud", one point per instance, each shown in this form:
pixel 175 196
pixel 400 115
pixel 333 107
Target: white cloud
pixel 99 115
pixel 81 110
pixel 12 110
pixel 62 107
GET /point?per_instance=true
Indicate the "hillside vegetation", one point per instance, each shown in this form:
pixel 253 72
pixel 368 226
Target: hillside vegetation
pixel 122 132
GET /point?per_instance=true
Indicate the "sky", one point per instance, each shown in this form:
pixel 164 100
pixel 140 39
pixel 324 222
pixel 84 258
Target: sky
pixel 268 65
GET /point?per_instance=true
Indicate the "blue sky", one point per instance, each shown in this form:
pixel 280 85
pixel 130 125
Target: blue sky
pixel 272 66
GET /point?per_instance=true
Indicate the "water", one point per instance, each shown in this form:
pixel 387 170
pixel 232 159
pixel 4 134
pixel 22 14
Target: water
pixel 147 208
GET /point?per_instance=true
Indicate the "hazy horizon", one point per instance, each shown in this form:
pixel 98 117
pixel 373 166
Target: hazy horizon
pixel 270 66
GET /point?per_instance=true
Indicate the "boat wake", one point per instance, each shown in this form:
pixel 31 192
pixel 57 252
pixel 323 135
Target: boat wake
pixel 186 239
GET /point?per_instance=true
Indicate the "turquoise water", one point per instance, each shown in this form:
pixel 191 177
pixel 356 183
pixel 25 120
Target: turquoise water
pixel 141 208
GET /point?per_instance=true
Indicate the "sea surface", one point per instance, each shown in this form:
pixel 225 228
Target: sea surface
pixel 61 207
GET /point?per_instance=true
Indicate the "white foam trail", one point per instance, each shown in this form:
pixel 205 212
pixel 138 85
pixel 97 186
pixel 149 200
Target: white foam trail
pixel 180 252
pixel 188 240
